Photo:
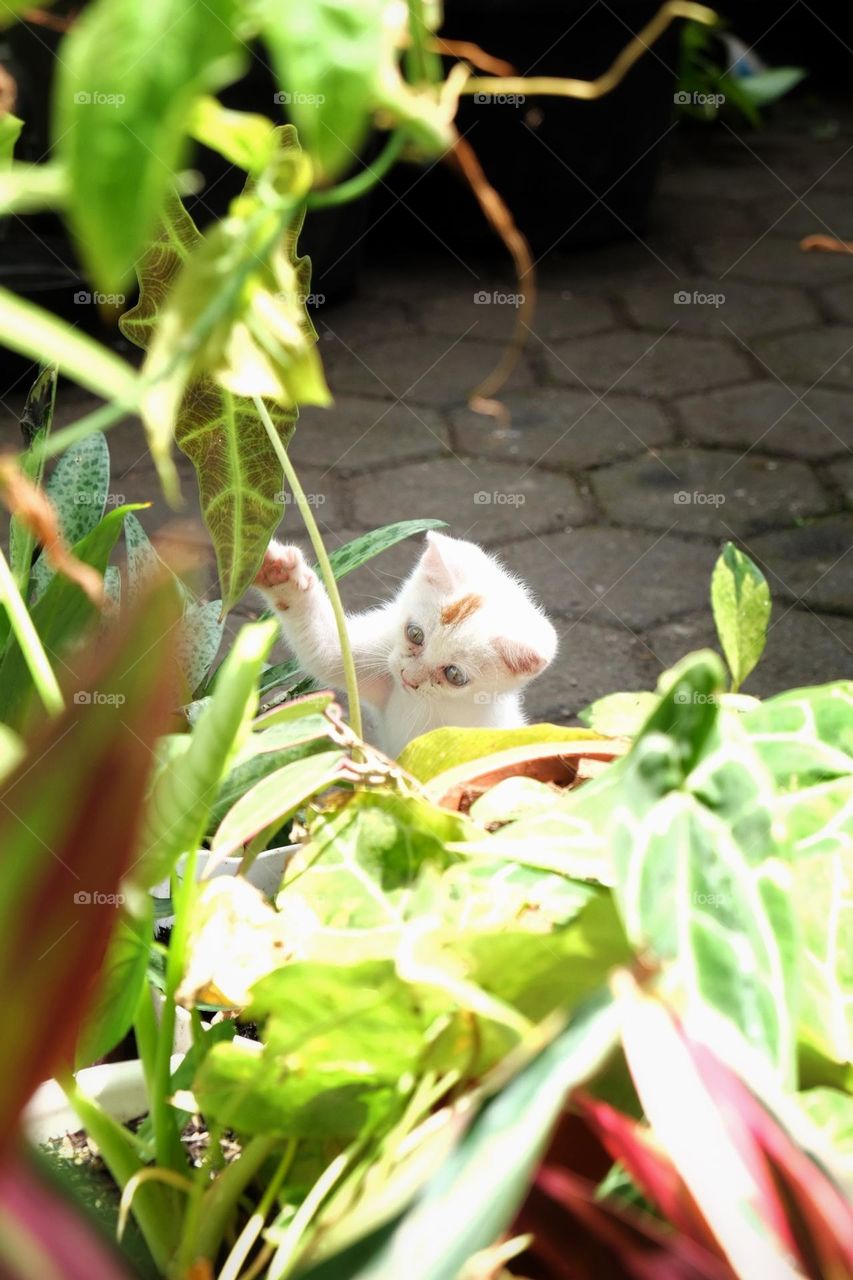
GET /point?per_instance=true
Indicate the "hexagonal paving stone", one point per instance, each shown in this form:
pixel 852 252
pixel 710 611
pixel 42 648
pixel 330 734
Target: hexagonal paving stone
pixel 841 473
pixel 592 661
pixel 699 491
pixel 770 258
pixel 839 299
pixel 706 306
pixel 746 179
pixel 684 219
pixel 424 369
pixel 483 501
pixel 359 319
pixel 357 432
pixel 813 563
pixel 640 362
pixel 803 648
pixel 564 428
pixel 824 354
pixel 816 213
pixel 619 577
pixel 769 416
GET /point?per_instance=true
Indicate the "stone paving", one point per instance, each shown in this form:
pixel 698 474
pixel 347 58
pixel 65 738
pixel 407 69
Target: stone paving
pixel 676 391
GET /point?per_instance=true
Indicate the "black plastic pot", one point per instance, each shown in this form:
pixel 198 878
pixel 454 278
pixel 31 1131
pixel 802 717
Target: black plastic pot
pixel 572 172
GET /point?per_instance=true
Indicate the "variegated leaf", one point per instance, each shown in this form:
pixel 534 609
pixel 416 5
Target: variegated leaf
pixel 239 476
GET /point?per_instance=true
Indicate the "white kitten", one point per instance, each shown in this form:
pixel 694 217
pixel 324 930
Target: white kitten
pixel 455 647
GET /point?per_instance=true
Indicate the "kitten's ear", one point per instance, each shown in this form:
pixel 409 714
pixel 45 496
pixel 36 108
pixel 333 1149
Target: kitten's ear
pixel 528 657
pixel 436 562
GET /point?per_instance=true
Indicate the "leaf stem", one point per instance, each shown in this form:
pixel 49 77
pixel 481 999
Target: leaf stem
pixel 362 182
pixel 331 585
pixel 28 638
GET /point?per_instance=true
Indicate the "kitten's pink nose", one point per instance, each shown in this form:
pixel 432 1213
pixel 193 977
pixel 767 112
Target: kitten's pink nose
pixel 410 684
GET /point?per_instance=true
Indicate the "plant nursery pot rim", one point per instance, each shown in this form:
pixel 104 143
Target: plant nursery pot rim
pixel 558 763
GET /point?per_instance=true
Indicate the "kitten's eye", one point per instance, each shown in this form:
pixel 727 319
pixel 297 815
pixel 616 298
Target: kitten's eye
pixel 453 675
pixel 414 633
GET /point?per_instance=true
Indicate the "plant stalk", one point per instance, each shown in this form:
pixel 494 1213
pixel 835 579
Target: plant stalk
pixel 362 182
pixel 25 633
pixel 324 563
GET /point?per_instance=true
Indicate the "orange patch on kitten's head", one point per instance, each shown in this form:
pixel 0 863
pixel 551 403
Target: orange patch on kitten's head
pixel 460 609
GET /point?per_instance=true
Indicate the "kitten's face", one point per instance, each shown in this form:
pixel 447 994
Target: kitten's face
pixel 466 627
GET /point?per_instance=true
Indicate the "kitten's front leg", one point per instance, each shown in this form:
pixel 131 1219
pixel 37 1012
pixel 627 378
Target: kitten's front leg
pixel 307 620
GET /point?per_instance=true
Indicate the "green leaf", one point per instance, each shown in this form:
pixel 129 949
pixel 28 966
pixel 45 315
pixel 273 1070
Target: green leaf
pixel 10 131
pixel 120 985
pixel 832 1112
pixel 183 795
pixel 244 139
pixel 440 750
pixel 688 818
pixel 619 714
pixel 740 599
pixel 273 799
pixel 33 332
pixel 770 85
pixel 36 422
pixel 202 628
pixel 363 548
pixel 476 1193
pixel 121 121
pixel 78 489
pixel 336 63
pixel 60 616
pixel 339 1044
pixel 239 476
pixel 265 752
pixel 30 188
pixel 805 736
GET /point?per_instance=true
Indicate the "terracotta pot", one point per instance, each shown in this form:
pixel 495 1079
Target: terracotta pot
pixel 560 764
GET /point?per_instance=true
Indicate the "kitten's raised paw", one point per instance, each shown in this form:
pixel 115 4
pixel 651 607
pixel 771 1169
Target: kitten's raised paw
pixel 283 567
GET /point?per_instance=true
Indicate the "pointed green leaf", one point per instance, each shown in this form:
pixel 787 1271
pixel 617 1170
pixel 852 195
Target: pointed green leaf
pixel 740 599
pixel 121 120
pixel 78 488
pixel 239 476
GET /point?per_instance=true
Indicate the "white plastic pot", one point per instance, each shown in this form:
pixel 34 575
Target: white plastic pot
pixel 265 873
